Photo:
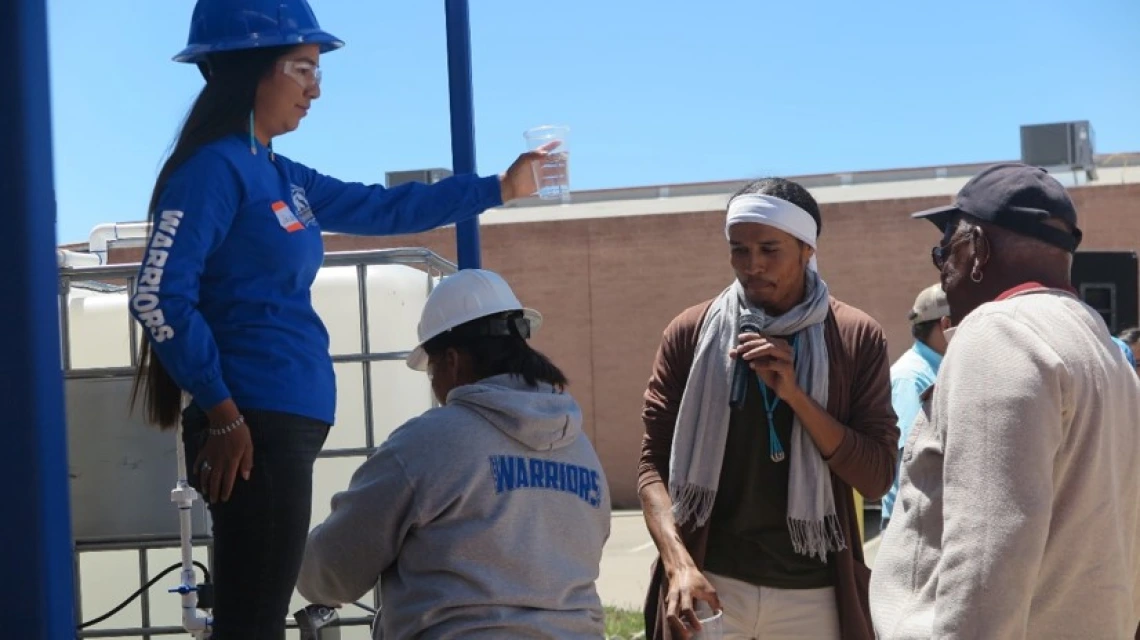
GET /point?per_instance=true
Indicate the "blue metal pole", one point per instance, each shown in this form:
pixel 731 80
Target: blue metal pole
pixel 462 120
pixel 37 587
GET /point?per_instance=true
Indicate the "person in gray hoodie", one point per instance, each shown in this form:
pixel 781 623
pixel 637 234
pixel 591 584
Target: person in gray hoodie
pixel 484 517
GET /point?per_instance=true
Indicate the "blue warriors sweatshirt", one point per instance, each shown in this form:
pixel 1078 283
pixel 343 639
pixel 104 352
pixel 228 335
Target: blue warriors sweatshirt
pixel 223 289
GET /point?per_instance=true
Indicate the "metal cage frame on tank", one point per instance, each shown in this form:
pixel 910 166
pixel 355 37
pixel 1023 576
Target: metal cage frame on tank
pixel 121 469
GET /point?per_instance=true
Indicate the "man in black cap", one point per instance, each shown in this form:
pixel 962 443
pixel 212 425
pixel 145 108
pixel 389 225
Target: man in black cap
pixel 1018 512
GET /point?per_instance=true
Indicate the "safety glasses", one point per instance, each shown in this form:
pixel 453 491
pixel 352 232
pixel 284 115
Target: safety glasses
pixel 304 73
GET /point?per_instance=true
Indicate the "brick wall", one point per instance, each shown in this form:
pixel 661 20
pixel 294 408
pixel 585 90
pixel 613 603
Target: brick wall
pixel 608 286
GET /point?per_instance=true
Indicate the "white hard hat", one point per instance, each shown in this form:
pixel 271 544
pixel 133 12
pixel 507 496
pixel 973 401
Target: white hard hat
pixel 460 298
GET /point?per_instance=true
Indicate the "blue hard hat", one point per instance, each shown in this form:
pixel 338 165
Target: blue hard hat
pixel 232 25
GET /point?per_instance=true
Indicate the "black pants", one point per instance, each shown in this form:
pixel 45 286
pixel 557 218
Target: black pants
pixel 260 532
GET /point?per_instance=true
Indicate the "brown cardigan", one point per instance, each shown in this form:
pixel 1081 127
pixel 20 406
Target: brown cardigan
pixel 859 396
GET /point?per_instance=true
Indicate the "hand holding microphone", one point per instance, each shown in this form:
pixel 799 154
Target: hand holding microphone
pixel 772 359
pixel 742 372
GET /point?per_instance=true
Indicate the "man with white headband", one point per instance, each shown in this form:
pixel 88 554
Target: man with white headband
pixel 751 508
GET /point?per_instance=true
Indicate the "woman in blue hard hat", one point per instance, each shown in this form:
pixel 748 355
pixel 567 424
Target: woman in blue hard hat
pixel 223 292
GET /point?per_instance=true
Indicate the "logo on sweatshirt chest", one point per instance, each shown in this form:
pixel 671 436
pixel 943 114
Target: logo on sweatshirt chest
pixel 301 204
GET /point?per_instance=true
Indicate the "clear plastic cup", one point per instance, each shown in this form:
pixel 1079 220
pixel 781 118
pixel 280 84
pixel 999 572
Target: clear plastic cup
pixel 552 174
pixel 712 626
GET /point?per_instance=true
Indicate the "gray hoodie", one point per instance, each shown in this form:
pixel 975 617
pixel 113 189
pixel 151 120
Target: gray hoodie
pixel 483 518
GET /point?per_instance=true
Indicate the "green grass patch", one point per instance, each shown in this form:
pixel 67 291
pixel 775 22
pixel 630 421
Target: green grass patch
pixel 623 624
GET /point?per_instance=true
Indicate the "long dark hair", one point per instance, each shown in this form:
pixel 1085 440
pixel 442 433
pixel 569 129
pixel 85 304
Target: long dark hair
pixel 493 355
pixel 221 109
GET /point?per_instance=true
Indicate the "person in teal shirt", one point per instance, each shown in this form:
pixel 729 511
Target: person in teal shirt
pixel 915 371
pixel 1129 343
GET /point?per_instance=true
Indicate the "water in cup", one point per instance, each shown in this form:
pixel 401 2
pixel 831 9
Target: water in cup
pixel 552 173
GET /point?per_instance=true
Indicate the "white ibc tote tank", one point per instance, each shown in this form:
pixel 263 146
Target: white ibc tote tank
pixel 395 297
pixel 99 332
pixel 98 326
pixel 99 337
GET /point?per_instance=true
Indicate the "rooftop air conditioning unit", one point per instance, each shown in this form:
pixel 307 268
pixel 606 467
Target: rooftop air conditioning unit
pixel 1060 145
pixel 425 176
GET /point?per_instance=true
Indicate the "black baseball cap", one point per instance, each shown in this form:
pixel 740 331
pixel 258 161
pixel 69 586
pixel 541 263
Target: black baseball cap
pixel 1017 197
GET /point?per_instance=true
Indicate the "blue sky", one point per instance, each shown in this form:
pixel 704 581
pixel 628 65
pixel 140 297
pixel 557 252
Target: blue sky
pixel 654 91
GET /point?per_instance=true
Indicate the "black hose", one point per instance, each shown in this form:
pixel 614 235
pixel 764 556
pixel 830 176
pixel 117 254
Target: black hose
pixel 142 589
pixel 165 572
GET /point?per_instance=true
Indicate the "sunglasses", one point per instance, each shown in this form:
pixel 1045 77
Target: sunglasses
pixel 940 253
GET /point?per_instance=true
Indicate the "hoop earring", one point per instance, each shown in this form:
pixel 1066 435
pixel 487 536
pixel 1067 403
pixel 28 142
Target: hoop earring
pixel 976 274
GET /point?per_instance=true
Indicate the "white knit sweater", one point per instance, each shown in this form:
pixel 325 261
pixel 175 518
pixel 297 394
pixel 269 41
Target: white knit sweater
pixel 1018 514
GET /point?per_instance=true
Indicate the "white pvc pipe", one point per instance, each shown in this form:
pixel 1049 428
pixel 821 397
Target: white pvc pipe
pixel 66 258
pixel 193 619
pixel 104 234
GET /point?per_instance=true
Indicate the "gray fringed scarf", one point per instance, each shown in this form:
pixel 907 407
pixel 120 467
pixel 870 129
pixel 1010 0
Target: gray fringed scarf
pixel 702 421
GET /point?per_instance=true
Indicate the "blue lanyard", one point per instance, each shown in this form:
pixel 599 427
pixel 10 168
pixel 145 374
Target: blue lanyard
pixel 775 450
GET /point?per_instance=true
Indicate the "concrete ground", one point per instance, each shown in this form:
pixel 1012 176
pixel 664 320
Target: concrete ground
pixel 629 553
pixel 626 560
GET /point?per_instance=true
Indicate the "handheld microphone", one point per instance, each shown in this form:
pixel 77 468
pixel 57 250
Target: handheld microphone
pixel 742 373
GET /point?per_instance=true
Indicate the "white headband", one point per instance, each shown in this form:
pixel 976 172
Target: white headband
pixel 776 213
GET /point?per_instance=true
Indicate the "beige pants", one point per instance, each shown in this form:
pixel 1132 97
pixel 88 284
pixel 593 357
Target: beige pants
pixel 761 613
